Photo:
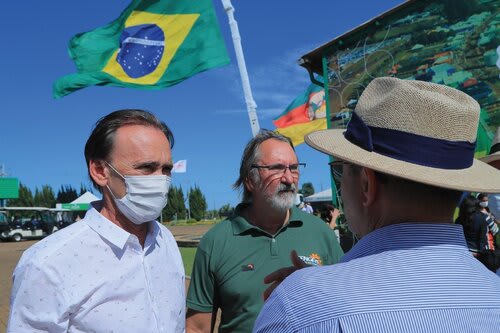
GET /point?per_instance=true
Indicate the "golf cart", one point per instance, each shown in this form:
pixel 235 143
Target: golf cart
pixel 26 223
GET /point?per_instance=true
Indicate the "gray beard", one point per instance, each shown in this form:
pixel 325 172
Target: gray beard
pixel 282 201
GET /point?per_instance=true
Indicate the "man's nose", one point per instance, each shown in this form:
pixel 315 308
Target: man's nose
pixel 287 176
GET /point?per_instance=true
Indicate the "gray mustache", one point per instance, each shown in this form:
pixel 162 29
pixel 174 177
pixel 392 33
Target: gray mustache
pixel 287 188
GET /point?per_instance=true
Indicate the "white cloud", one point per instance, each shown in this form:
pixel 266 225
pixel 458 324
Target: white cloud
pixel 274 84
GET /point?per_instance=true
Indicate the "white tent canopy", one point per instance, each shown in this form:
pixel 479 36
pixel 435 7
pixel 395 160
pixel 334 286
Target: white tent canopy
pixel 325 195
pixel 80 203
pixel 85 198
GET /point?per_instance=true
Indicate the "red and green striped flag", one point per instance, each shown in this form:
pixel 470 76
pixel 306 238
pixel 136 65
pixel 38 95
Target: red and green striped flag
pixel 307 113
pixel 153 44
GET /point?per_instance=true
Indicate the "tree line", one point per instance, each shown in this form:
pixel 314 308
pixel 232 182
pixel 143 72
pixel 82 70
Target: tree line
pixel 45 196
pixel 193 206
pixel 175 210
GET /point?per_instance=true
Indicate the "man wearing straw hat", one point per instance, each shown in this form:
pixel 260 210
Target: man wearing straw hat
pixel 404 160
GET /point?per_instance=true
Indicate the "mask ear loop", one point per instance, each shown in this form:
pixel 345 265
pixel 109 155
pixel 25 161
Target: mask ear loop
pixel 112 194
pixel 113 168
pixel 119 174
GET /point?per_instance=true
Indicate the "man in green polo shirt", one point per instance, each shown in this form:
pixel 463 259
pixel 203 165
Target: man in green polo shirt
pixel 234 256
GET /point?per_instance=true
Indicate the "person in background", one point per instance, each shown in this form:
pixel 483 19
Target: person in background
pixel 493 223
pixel 235 255
pixel 330 214
pixel 309 208
pixel 118 269
pixel 403 162
pixel 474 225
pixel 493 159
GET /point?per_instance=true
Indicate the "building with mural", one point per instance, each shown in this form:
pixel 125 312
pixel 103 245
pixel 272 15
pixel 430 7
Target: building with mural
pixel 451 42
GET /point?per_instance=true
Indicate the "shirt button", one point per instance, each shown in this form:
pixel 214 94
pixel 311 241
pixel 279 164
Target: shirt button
pixel 274 240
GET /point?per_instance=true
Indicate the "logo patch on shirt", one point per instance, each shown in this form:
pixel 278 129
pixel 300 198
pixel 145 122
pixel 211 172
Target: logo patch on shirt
pixel 248 267
pixel 313 259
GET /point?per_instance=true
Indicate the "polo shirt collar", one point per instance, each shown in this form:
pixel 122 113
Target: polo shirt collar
pixel 110 231
pixel 240 225
pixel 404 236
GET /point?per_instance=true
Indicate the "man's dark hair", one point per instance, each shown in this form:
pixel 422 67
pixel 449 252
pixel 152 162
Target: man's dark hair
pixel 100 143
pixel 251 155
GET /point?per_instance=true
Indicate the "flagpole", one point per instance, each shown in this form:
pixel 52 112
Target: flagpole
pixel 235 33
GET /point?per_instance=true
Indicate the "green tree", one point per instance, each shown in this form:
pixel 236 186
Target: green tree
pixel 175 207
pixel 45 197
pixel 84 189
pixel 25 197
pixel 66 194
pixel 212 214
pixel 307 189
pixel 226 210
pixel 197 203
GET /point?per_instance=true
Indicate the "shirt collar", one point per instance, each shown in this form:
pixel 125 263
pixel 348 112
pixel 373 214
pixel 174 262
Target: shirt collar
pixel 406 236
pixel 154 232
pixel 240 224
pixel 110 231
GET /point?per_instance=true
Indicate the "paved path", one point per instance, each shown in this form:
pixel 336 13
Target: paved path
pixel 11 252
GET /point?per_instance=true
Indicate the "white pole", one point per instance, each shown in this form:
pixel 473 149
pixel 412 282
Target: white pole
pixel 235 33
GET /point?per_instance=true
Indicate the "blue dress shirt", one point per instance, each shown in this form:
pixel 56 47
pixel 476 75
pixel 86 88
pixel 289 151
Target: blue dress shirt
pixel 409 277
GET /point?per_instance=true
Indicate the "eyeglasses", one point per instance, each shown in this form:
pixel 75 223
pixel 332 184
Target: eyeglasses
pixel 280 169
pixel 337 169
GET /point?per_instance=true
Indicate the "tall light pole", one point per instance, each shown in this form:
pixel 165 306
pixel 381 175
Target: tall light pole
pixel 235 33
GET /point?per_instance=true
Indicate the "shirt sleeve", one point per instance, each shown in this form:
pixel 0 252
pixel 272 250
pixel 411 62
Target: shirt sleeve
pixel 37 303
pixel 490 219
pixel 273 316
pixel 202 285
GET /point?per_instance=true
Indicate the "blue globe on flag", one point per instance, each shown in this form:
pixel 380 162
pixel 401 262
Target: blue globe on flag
pixel 141 49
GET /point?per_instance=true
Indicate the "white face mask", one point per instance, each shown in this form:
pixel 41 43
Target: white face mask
pixel 145 198
pixel 483 204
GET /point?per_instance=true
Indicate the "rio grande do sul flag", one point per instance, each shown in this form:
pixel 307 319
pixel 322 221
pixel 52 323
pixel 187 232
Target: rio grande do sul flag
pixel 306 113
pixel 153 44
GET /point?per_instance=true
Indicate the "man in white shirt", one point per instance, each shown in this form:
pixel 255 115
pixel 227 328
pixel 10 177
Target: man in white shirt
pixel 116 270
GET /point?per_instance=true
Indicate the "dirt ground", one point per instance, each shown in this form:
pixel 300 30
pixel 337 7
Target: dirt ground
pixel 10 253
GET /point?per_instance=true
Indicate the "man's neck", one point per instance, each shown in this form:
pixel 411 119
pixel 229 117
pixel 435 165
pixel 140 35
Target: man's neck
pixel 401 213
pixel 266 218
pixel 114 215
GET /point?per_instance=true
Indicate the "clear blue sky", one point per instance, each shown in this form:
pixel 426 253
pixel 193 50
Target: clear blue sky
pixel 42 139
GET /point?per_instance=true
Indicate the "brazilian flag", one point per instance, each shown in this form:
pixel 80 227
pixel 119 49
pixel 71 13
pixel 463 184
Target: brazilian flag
pixel 153 44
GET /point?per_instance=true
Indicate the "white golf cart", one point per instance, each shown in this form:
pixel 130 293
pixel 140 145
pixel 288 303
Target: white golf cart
pixel 27 223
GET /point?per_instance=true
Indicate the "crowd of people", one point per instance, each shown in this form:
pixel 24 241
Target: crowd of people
pixel 403 163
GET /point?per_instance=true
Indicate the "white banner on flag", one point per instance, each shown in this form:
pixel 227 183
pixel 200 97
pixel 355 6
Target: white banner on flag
pixel 180 166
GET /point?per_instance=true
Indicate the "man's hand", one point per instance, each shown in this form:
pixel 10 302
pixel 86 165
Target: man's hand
pixel 278 276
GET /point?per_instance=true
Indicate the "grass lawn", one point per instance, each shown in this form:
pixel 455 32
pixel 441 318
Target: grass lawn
pixel 187 254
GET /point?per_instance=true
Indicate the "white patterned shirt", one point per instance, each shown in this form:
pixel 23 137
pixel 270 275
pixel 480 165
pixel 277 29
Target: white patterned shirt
pixel 94 276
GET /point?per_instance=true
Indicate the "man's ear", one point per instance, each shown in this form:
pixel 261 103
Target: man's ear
pixel 249 184
pixel 369 185
pixel 99 172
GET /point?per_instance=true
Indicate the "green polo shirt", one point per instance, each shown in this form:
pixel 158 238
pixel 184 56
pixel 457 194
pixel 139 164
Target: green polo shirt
pixel 234 257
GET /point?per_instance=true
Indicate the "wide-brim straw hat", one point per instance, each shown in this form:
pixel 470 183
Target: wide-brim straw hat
pixel 416 130
pixel 494 154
